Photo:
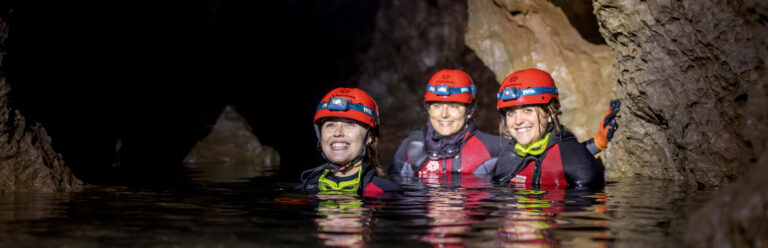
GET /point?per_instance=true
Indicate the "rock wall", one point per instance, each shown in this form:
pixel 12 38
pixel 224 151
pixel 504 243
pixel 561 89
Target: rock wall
pixel 231 151
pixel 518 34
pixel 27 159
pixel 737 216
pixel 412 41
pixel 681 69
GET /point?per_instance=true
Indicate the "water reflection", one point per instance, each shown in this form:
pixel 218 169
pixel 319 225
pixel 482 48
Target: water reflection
pixel 437 212
pixel 342 220
pixel 24 206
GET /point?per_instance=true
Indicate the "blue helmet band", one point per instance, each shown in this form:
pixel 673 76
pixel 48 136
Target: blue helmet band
pixel 445 90
pixel 514 93
pixel 342 104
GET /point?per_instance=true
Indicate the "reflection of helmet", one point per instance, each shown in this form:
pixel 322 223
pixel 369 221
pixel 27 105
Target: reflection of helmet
pixel 530 86
pixel 349 103
pixel 450 86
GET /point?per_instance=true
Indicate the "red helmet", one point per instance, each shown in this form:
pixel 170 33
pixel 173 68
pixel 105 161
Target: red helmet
pixel 524 87
pixel 450 86
pixel 349 103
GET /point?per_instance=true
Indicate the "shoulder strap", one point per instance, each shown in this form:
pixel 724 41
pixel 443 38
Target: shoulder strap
pixel 509 164
pixel 416 156
pixel 307 185
pixel 367 178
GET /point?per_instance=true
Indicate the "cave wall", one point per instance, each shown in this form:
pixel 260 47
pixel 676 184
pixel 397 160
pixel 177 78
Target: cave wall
pixel 737 216
pixel 681 70
pixel 413 40
pixel 519 34
pixel 28 162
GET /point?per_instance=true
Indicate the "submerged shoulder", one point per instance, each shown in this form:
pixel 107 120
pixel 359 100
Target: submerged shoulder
pixel 385 184
pixel 494 143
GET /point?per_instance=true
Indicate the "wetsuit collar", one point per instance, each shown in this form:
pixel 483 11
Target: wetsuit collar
pixel 328 186
pixel 440 147
pixel 535 148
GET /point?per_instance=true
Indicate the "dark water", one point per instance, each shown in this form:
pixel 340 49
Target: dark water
pixel 263 211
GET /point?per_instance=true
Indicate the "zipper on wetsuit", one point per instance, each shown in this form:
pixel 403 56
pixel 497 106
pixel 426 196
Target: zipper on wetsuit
pixel 536 172
pixel 444 166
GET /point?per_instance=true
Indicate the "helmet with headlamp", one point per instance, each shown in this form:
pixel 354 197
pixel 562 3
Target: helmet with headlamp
pixel 349 103
pixel 450 86
pixel 526 87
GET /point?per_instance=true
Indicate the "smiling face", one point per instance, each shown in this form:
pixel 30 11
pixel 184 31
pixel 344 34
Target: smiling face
pixel 447 117
pixel 341 139
pixel 527 123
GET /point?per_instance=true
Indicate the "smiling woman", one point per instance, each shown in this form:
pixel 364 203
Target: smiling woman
pixel 451 142
pixel 346 124
pixel 542 151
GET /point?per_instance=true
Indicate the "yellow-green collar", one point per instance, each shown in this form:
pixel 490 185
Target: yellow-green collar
pixel 535 148
pixel 328 186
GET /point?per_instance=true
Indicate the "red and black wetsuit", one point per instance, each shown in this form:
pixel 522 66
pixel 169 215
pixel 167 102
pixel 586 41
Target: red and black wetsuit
pixel 372 185
pixel 565 162
pixel 477 153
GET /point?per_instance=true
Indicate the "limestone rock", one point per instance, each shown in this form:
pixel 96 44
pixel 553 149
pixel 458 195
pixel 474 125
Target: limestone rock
pixel 28 162
pixel 681 69
pixel 231 151
pixel 412 41
pixel 519 34
pixel 738 215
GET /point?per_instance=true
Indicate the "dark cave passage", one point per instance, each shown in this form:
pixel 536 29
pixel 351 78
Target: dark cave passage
pixel 156 75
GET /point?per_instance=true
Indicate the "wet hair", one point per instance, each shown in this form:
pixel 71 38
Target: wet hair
pixel 372 152
pixel 551 109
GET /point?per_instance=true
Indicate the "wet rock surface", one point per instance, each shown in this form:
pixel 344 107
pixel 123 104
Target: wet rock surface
pixel 28 162
pixel 681 70
pixel 516 35
pixel 738 215
pixel 231 151
pixel 412 41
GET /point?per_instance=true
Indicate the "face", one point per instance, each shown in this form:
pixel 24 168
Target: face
pixel 342 139
pixel 447 117
pixel 527 123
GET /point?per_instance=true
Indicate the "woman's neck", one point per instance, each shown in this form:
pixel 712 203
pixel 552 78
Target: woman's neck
pixel 352 170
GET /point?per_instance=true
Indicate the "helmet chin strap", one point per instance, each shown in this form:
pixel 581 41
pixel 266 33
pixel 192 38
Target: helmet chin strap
pixel 343 168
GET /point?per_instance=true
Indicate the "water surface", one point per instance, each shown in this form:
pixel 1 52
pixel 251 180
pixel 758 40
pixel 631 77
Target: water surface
pixel 264 211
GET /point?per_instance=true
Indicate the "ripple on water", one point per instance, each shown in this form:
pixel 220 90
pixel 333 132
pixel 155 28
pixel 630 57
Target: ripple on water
pixel 260 212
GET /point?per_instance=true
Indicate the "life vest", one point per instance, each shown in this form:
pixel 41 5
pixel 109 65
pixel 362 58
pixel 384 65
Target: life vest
pixel 317 183
pixel 545 170
pixel 565 162
pixel 476 155
pixel 328 186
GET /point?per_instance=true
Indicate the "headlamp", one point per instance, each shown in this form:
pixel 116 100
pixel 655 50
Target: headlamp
pixel 446 90
pixel 514 93
pixel 508 94
pixel 343 104
pixel 443 90
pixel 338 103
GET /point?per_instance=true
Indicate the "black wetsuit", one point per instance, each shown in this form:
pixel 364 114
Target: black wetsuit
pixel 372 185
pixel 565 162
pixel 477 153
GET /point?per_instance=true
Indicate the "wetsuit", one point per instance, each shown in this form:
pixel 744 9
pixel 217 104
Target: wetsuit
pixel 564 162
pixel 364 183
pixel 476 153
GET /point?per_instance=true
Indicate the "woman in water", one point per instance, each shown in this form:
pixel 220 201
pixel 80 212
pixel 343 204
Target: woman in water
pixel 542 151
pixel 450 142
pixel 346 124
